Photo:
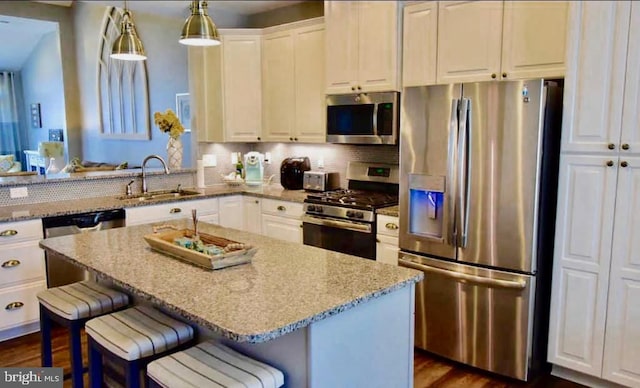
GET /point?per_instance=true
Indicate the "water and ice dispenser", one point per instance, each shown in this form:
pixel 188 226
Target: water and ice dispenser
pixel 426 205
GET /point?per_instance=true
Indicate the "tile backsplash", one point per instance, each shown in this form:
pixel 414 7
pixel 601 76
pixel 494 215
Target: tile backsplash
pixel 335 156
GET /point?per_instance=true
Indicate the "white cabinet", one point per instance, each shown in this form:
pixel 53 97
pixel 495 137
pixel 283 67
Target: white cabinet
pixel 22 276
pixel 293 74
pixel 420 42
pixel 231 212
pixel 492 40
pixel 225 83
pixel 362 46
pixel 387 240
pixel 207 211
pixel 252 214
pixel 282 220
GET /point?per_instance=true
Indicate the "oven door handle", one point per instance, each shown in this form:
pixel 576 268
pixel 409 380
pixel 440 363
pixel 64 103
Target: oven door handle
pixel 355 226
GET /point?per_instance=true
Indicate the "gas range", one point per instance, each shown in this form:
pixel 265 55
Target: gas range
pixel 358 205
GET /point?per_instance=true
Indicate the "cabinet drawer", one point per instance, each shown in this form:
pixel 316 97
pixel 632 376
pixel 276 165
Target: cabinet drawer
pixel 388 225
pixel 282 208
pixel 19 305
pixel 20 231
pixel 21 263
pixel 170 211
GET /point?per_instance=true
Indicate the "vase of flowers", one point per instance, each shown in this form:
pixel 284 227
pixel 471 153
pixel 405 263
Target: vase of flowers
pixel 169 123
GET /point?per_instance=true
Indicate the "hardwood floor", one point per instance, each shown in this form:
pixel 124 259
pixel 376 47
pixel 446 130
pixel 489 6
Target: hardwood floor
pixel 429 370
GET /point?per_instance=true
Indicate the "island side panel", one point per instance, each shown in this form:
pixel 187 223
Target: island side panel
pixel 369 346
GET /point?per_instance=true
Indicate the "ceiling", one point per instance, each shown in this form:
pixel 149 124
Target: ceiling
pixel 25 35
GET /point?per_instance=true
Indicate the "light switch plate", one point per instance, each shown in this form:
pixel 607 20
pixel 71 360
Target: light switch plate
pixel 18 192
pixel 209 160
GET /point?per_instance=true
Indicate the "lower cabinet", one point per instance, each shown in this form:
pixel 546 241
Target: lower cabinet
pixel 252 214
pixel 207 211
pixel 387 240
pixel 231 212
pixel 282 220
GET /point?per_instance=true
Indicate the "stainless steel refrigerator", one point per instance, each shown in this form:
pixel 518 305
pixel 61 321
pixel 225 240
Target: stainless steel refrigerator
pixel 479 165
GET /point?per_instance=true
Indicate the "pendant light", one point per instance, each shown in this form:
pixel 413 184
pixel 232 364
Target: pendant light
pixel 128 47
pixel 199 29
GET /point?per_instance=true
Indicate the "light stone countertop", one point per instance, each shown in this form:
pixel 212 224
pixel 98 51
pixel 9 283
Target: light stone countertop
pixel 58 208
pixel 392 211
pixel 287 286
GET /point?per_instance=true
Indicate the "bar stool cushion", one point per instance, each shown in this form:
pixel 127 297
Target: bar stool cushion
pixel 138 332
pixel 80 300
pixel 213 365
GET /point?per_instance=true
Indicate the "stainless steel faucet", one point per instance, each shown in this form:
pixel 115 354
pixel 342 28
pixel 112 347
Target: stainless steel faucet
pixel 144 173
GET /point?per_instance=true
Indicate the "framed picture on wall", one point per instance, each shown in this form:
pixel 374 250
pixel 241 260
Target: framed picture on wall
pixel 183 110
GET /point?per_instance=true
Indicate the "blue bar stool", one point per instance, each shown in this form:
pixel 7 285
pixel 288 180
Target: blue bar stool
pixel 210 364
pixel 132 338
pixel 72 306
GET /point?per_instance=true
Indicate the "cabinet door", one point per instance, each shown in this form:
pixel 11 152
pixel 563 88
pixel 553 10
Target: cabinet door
pixel 630 136
pixel 420 43
pixel 231 212
pixel 534 39
pixel 469 41
pixel 377 46
pixel 252 214
pixel 622 341
pixel 586 198
pixel 310 113
pixel 279 91
pixel 242 79
pixel 387 249
pixel 287 229
pixel 341 58
pixel 205 89
pixel 594 84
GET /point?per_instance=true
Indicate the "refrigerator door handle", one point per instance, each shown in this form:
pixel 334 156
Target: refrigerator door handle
pixel 463 277
pixel 452 168
pixel 463 170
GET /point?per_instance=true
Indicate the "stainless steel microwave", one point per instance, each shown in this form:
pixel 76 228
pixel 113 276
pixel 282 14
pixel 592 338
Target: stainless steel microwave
pixel 363 118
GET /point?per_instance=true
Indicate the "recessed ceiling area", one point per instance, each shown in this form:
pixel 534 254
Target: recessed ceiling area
pixel 25 35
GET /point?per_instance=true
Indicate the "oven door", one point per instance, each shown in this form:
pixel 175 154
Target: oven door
pixel 353 238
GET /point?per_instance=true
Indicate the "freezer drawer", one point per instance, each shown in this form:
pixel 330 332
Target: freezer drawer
pixel 473 315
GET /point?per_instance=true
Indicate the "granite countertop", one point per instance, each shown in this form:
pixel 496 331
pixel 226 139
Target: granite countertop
pixel 392 211
pixel 58 208
pixel 287 286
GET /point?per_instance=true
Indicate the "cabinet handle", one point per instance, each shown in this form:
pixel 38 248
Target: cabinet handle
pixel 610 163
pixel 13 306
pixel 391 225
pixel 623 164
pixel 494 75
pixel 611 146
pixel 281 208
pixel 625 146
pixel 504 75
pixel 11 263
pixel 8 233
pixel 175 210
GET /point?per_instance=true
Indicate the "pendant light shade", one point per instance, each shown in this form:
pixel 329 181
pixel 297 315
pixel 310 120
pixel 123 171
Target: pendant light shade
pixel 128 47
pixel 199 29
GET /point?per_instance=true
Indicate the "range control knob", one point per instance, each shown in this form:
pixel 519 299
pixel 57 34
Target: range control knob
pixel 350 213
pixel 319 209
pixel 359 215
pixel 311 208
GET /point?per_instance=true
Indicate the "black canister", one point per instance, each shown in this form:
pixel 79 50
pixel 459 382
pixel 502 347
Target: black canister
pixel 292 172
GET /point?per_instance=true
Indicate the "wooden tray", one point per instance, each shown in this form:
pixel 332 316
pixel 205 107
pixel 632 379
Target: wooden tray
pixel 163 242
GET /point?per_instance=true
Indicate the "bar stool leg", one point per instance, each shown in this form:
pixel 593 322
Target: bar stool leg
pixel 75 346
pixel 95 365
pixel 133 374
pixel 46 357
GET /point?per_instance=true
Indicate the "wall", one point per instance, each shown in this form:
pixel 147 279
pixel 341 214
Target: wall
pixel 292 13
pixel 42 83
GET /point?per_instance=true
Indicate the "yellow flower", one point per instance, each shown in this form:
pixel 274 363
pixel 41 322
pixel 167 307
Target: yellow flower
pixel 169 123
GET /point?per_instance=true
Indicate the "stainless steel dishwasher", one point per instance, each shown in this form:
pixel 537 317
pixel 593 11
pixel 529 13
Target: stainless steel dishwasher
pixel 60 271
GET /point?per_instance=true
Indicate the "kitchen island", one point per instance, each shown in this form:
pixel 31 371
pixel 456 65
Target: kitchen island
pixel 324 318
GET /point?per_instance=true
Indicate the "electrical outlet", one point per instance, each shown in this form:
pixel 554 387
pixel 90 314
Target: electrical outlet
pixel 234 158
pixel 18 192
pixel 267 158
pixel 321 163
pixel 209 160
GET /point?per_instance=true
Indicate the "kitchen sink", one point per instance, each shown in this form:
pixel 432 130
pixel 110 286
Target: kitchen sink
pixel 160 195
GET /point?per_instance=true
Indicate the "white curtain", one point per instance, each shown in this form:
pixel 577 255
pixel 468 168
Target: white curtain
pixel 9 126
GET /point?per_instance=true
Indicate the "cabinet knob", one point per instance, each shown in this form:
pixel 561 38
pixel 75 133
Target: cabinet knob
pixel 258 138
pixel 8 233
pixel 353 88
pixel 504 75
pixel 359 88
pixel 295 138
pixel 610 163
pixel 290 139
pixel 281 208
pixel 13 306
pixel 175 210
pixel 625 146
pixel 11 263
pixel 494 75
pixel 257 201
pixel 624 164
pixel 391 225
pixel 611 146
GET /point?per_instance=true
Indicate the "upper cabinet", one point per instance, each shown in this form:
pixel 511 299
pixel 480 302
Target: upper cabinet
pixel 470 41
pixel 293 87
pixel 361 46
